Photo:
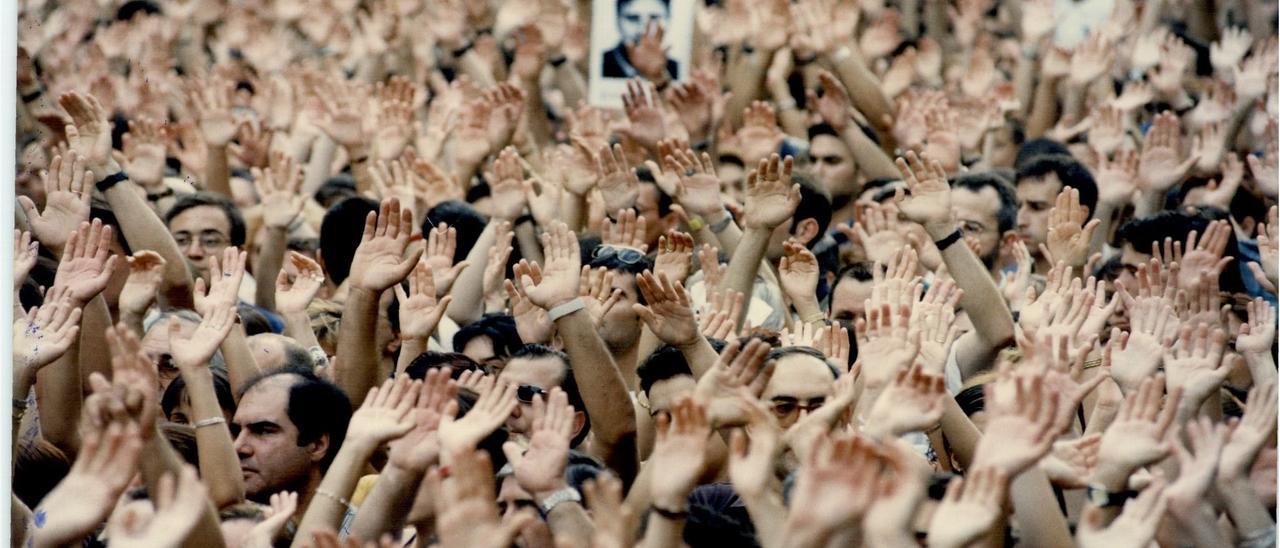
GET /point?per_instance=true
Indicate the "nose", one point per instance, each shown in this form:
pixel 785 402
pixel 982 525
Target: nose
pixel 241 446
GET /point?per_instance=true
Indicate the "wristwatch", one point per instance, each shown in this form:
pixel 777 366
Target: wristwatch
pixel 567 494
pixel 1103 498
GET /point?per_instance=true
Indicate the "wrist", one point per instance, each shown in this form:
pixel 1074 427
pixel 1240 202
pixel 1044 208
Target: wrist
pixel 541 497
pixel 1112 477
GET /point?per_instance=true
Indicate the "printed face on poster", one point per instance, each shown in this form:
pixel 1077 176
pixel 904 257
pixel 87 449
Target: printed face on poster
pixel 618 25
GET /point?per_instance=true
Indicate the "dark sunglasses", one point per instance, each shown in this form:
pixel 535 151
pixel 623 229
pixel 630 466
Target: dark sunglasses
pixel 526 392
pixel 624 254
pixel 785 406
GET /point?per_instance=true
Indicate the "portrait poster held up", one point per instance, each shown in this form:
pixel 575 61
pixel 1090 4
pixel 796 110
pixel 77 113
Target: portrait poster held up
pixel 650 39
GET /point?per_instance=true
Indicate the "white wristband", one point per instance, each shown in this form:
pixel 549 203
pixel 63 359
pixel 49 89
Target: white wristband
pixel 562 310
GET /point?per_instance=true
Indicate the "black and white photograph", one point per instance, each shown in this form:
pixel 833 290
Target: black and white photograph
pixel 648 39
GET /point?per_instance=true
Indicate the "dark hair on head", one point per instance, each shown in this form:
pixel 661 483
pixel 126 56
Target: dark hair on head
pixel 340 234
pixel 783 351
pixel 666 362
pixel 624 3
pixel 221 389
pixel 567 382
pixel 335 189
pixel 462 217
pixel 612 262
pixel 1070 173
pixel 972 399
pixel 815 203
pixel 1244 204
pixel 498 327
pixel 182 437
pixel 199 199
pixel 431 359
pixel 1038 147
pixel 41 275
pixel 1142 232
pixel 316 407
pixel 878 183
pixel 102 212
pixel 255 322
pixel 133 7
pixel 38 467
pixel 477 192
pixel 861 271
pixel 718 517
pixel 1007 216
pixel 822 128
pixel 768 336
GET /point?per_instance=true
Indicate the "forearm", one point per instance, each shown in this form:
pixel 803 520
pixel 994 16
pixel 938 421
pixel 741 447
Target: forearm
pixel 745 79
pixel 769 516
pixel 569 520
pixel 1044 108
pixel 219 464
pixel 270 260
pixel 961 434
pixel 317 169
pixel 527 241
pixel 865 91
pixel 388 504
pixel 1262 367
pixel 700 356
pixel 358 157
pixel 144 230
pixel 869 157
pixel 741 274
pixel 1243 505
pixel 59 396
pixel 357 369
pixel 475 67
pixel 468 289
pixel 157 459
pixel 535 113
pixel 241 365
pixel 217 174
pixel 792 120
pixel 1024 79
pixel 1036 507
pixel 323 512
pixel 570 82
pixel 613 423
pixel 297 325
pixel 410 348
pixel 663 532
pixel 982 299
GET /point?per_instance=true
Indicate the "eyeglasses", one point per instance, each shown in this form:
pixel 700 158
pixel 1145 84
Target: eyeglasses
pixel 209 240
pixel 526 392
pixel 784 406
pixel 624 254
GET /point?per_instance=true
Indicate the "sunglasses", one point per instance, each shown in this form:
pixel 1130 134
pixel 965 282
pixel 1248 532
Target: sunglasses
pixel 785 407
pixel 624 254
pixel 526 392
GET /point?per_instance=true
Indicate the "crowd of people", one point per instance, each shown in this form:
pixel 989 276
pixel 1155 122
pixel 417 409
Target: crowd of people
pixel 374 273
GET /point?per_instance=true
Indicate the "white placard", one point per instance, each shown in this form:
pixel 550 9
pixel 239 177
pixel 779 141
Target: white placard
pixel 614 20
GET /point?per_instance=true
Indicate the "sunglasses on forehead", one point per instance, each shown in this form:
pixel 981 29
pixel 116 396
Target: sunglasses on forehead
pixel 623 254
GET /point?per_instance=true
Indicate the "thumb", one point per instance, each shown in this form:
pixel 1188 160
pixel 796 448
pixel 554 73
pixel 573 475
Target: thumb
pixel 512 452
pixel 28 207
pixel 406 266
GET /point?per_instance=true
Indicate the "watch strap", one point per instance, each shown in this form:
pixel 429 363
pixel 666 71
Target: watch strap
pixel 562 310
pixel 946 242
pixel 567 494
pixel 719 226
pixel 109 181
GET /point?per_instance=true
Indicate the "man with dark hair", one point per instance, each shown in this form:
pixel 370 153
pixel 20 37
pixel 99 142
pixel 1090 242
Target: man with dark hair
pixel 1039 181
pixel 203 224
pixel 986 208
pixel 288 427
pixel 489 340
pixel 536 369
pixel 340 236
pixel 654 206
pixel 462 217
pixel 850 292
pixel 634 19
pixel 1038 147
pixel 620 328
pixel 802 380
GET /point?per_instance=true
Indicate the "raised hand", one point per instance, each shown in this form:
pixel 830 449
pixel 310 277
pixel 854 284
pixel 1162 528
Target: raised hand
pixel 771 196
pixel 224 287
pixel 544 200
pixel 930 200
pixel 617 181
pixel 698 189
pixel 442 245
pixel 179 503
pixel 495 268
pixel 506 185
pixel 647 54
pixel 25 254
pixel 836 484
pixel 1022 427
pixel 643 106
pixel 253 148
pixel 341 116
pixel 675 255
pixel 798 271
pixel 85 496
pixel 89 133
pixel 43 335
pixel 887 342
pixel 696 107
pixel 540 468
pixel 627 231
pixel 912 402
pixel 1258 334
pixel 384 415
pixel 1137 354
pixel 68 188
pixel 597 292
pixel 1091 59
pixel 1248 435
pixel 717 317
pixel 1158 165
pixel 533 324
pixel 1268 272
pixel 1135 526
pixel 308 277
pixel 669 311
pixel 87 262
pixel 557 283
pixel 1138 435
pixel 834 106
pixel 420 448
pixel 491 410
pixel 751 463
pixel 278 187
pixel 379 262
pixel 1205 255
pixel 193 353
pixel 420 310
pixel 263 534
pixel 759 135
pixel 1195 364
pixel 969 509
pixel 739 374
pixel 133 375
pixel 1197 467
pixel 1070 464
pixel 1117 178
pixel 878 233
pixel 680 451
pixel 1070 230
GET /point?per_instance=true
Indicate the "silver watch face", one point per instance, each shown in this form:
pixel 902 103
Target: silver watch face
pixel 1097 496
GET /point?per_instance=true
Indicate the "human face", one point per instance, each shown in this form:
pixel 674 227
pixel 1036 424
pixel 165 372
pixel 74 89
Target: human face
pixel 182 413
pixel 621 326
pixel 800 384
pixel 664 393
pixel 544 372
pixel 1035 200
pixel 635 16
pixel 480 349
pixel 267 441
pixel 977 214
pixel 511 500
pixel 849 300
pixel 832 163
pixel 156 344
pixel 201 232
pixel 1130 260
pixel 647 207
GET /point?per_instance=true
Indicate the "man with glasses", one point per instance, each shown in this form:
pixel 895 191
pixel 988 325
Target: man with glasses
pixel 802 381
pixel 203 224
pixel 536 369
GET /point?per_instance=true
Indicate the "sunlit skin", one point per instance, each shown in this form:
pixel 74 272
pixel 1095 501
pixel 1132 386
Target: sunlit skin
pixel 267 443
pixel 205 230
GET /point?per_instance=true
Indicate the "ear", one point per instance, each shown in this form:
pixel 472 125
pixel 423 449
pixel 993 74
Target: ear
pixel 579 422
pixel 805 231
pixel 317 449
